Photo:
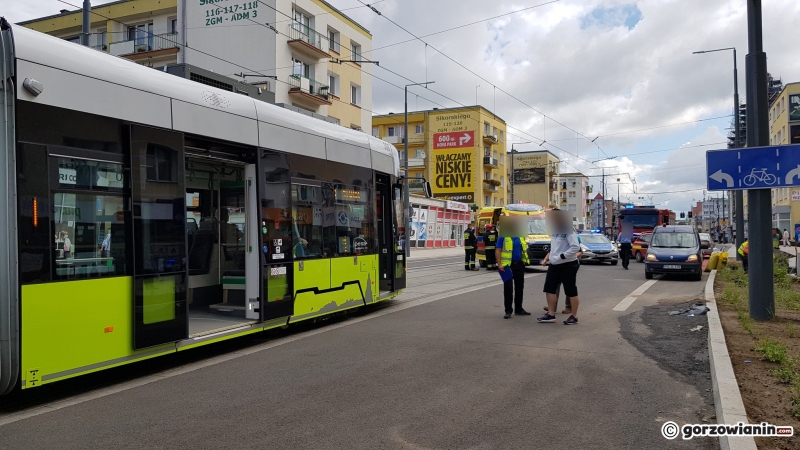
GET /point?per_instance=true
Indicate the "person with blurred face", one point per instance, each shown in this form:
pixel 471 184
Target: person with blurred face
pixel 512 255
pixel 563 267
pixel 470 247
pixel 490 243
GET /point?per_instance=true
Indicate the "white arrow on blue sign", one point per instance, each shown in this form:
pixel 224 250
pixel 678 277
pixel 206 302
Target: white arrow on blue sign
pixel 753 168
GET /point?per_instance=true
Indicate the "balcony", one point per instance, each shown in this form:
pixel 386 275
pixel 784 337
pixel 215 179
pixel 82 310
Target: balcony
pixel 307 42
pixel 146 46
pixel 394 140
pixel 553 186
pixel 308 91
pixel 488 161
pixel 489 139
pixel 101 47
pixel 563 200
pixel 589 189
pixel 489 186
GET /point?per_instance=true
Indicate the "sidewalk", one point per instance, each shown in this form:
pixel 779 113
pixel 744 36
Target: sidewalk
pixel 430 253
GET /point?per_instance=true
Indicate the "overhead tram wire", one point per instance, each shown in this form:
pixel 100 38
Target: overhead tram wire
pixel 481 77
pixel 256 71
pixel 210 55
pixel 410 80
pixel 656 127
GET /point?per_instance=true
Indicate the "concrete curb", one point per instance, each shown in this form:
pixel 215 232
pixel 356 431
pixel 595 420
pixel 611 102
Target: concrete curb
pixel 727 398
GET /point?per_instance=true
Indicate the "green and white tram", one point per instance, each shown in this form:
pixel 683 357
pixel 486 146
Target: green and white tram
pixel 144 214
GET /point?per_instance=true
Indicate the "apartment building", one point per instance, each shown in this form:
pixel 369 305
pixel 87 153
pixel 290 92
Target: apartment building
pixel 461 151
pixel 574 190
pixel 535 177
pixel 305 51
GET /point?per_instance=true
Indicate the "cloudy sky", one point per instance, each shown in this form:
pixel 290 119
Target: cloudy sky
pixel 619 69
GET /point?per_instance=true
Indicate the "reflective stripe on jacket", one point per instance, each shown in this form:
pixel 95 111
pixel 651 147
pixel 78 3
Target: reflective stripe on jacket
pixel 507 252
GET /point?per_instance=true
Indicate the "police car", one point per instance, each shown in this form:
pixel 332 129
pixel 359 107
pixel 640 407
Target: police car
pixel 597 248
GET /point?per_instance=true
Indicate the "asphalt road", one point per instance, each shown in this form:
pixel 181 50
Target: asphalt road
pixel 436 368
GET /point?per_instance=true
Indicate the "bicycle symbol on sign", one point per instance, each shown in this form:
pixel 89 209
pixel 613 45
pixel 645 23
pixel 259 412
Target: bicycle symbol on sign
pixel 759 176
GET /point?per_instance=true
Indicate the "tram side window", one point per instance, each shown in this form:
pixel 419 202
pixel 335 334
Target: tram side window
pixel 307 217
pixel 351 230
pixel 89 239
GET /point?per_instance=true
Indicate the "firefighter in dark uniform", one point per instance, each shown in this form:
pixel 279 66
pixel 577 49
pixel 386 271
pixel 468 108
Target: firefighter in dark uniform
pixel 470 247
pixel 490 241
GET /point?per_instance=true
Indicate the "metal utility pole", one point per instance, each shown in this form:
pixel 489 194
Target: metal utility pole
pixel 739 195
pixel 761 285
pixel 86 30
pixel 406 201
pixel 513 152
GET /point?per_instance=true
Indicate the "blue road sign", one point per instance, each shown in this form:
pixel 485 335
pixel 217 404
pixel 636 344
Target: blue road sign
pixel 753 168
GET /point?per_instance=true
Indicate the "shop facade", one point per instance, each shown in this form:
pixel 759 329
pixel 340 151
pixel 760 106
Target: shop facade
pixel 437 223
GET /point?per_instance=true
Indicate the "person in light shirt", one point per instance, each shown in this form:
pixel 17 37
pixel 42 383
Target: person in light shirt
pixel 563 267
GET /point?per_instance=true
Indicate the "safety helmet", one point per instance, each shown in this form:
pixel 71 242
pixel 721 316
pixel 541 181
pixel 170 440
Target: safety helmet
pixel 489 227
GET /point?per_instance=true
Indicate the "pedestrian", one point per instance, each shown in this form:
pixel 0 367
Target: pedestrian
pixel 490 243
pixel 512 255
pixel 785 237
pixel 567 304
pixel 744 253
pixel 562 270
pixel 625 244
pixel 470 247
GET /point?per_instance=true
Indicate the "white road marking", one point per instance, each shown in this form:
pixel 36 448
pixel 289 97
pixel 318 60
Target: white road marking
pixel 628 301
pixel 6 419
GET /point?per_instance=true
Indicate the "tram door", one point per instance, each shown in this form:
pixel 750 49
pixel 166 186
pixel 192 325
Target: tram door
pixel 387 246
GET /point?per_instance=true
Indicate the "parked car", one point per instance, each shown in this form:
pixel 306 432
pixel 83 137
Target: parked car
pixel 706 244
pixel 674 249
pixel 597 248
pixel 640 245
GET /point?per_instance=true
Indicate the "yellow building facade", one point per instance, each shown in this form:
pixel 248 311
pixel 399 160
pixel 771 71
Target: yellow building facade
pixel 784 120
pixel 460 151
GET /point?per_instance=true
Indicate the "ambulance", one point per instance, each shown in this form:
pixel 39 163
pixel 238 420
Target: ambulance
pixel 537 238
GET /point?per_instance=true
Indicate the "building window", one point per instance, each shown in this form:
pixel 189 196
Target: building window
pixel 396 131
pixel 486 128
pixel 355 94
pixel 487 176
pixel 495 201
pixel 486 151
pixel 502 159
pixel 333 84
pixel 502 139
pixel 301 69
pixel 173 26
pixel 502 202
pixel 101 41
pixel 355 51
pixel 142 34
pixel 487 200
pixel 301 22
pixel 419 153
pixel 333 40
pixel 502 181
pixel 494 132
pixel 419 129
pixel 375 132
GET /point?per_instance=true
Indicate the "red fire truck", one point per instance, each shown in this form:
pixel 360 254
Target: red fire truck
pixel 644 218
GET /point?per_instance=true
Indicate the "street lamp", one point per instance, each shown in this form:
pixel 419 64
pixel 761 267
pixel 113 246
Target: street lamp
pixel 739 195
pixel 513 151
pixel 603 188
pixel 406 201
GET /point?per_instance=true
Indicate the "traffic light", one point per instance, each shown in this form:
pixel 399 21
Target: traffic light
pixel 683 215
pixel 690 214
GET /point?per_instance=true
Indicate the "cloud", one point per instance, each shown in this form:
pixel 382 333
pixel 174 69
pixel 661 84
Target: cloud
pixel 627 15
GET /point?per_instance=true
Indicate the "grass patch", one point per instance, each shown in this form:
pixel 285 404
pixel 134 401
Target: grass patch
pixel 791 330
pixel 785 374
pixel 772 350
pixel 745 320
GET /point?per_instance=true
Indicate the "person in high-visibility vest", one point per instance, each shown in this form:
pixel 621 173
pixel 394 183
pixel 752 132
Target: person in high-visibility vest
pixel 470 247
pixel 743 252
pixel 490 242
pixel 512 254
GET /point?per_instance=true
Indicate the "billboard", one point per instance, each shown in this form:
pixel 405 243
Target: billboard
pixel 530 168
pixel 794 107
pixel 453 165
